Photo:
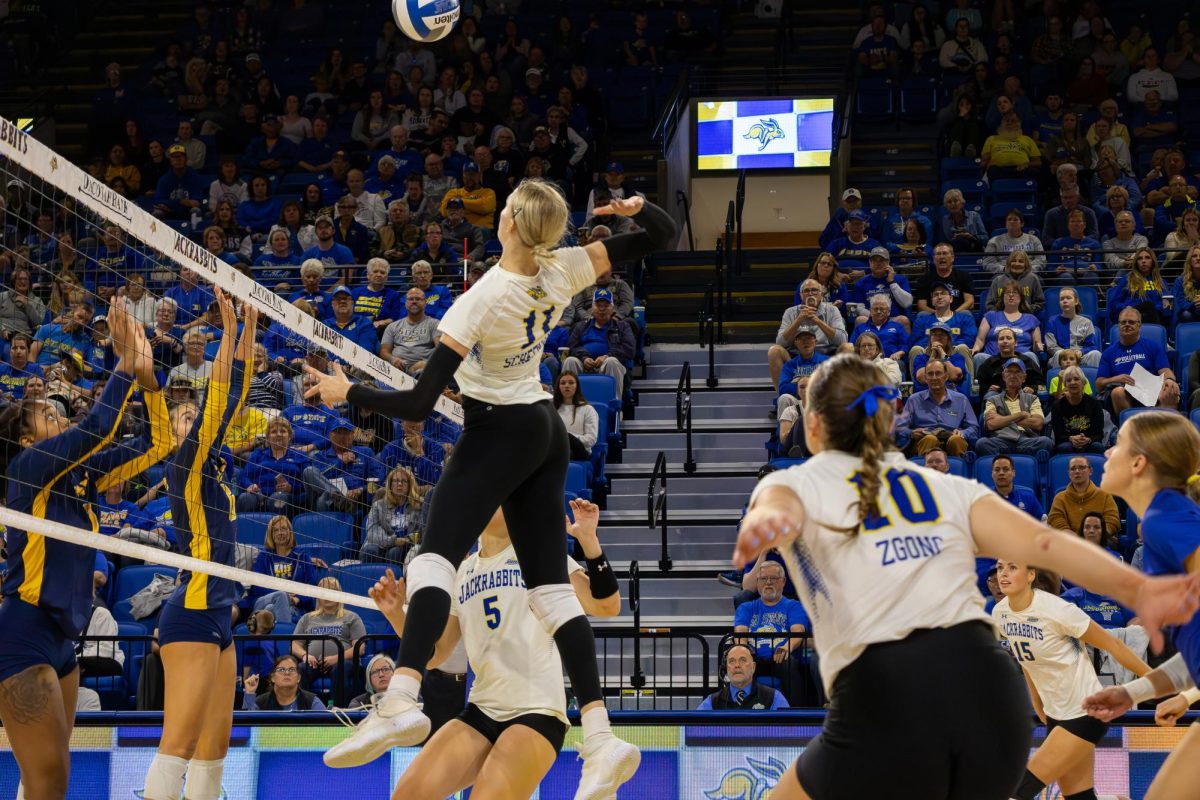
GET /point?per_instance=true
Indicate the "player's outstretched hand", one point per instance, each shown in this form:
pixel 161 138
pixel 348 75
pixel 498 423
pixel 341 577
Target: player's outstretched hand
pixel 623 207
pixel 762 528
pixel 1168 712
pixel 1166 600
pixel 1108 704
pixel 389 594
pixel 331 388
pixel 587 520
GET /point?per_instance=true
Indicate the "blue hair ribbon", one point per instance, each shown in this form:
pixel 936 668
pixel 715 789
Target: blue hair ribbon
pixel 869 400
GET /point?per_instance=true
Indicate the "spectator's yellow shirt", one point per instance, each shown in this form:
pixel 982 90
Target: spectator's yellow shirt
pixel 245 427
pixel 1003 151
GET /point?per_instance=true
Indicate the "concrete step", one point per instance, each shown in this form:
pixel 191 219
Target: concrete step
pixel 763 382
pixel 727 516
pixel 675 470
pixel 725 354
pixel 700 371
pixel 704 440
pixel 690 556
pixel 679 502
pixel 687 485
pixel 728 415
pixel 635 454
pixel 628 534
pixel 702 420
pixel 705 398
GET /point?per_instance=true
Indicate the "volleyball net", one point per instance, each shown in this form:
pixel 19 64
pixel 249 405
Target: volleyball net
pixel 70 244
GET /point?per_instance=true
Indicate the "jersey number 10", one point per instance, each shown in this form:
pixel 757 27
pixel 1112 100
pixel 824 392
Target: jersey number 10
pixel 911 498
pixel 531 320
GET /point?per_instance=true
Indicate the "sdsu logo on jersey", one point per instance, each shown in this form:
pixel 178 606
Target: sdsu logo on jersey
pixel 536 292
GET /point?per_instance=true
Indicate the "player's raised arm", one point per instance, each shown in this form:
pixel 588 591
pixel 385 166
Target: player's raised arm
pixel 597 591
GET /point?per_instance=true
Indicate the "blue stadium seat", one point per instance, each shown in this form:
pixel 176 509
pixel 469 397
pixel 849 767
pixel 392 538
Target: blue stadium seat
pixel 328 553
pixel 1059 476
pixel 1129 412
pixel 957 465
pixel 323 528
pixel 919 99
pixel 358 579
pixel 1014 190
pixel 974 191
pixel 874 101
pixel 252 527
pixel 601 391
pixel 1151 331
pixel 131 580
pixel 1025 466
pixel 577 480
pixel 1187 341
pixel 1195 417
pixel 961 168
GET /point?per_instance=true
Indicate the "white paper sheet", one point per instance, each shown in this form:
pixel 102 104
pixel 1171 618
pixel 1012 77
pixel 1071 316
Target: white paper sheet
pixel 1146 386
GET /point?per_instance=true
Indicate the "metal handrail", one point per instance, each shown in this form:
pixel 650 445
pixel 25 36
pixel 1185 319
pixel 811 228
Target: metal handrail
pixel 682 198
pixel 730 254
pixel 638 679
pixel 739 199
pixel 683 413
pixel 708 335
pixel 656 507
pixel 668 120
pixel 718 305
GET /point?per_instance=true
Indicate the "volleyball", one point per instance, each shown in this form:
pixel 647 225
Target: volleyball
pixel 426 20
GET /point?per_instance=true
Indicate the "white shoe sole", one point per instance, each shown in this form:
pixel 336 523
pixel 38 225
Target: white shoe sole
pixel 344 755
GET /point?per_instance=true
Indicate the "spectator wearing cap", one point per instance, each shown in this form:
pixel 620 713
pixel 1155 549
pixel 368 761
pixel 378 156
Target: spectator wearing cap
pixel 1118 360
pixel 456 228
pixel 603 343
pixel 350 233
pixel 613 182
pixel 535 93
pixel 355 327
pixel 615 223
pixel 795 372
pixel 1013 238
pixel 387 183
pixel 197 151
pixel 1013 418
pixel 310 419
pixel 853 250
pixel 937 417
pixel 581 303
pixel 316 152
pixel 327 250
pixel 943 271
pixel 270 153
pixel 837 227
pixel 891 334
pixel 892 227
pixel 181 191
pixel 333 184
pixel 883 280
pixel 375 300
pixel 371 211
pixel 436 182
pixel 409 342
pixel 957 362
pixel 339 473
pixel 556 157
pixel 408 160
pixel 436 251
pixel 438 299
pixel 960 324
pixel 814 311
pixel 478 201
pixel 962 227
pixel 396 239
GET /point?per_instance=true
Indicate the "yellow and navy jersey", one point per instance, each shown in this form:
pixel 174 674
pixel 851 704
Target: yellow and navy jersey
pixel 58 479
pixel 202 505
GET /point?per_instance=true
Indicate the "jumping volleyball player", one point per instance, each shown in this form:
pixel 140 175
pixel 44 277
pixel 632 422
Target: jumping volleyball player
pixel 1153 467
pixel 512 454
pixel 1046 635
pixel 48 588
pixel 506 740
pixel 886 562
pixel 195 628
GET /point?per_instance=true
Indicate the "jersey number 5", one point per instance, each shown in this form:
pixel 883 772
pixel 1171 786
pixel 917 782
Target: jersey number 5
pixel 910 495
pixel 531 320
pixel 491 614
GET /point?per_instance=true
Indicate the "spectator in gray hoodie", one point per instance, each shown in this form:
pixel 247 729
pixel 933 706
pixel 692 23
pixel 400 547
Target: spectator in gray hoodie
pixel 391 524
pixel 1013 238
pixel 813 310
pixel 20 310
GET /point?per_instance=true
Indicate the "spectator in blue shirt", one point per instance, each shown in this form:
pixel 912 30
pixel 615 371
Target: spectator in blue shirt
pixel 279 558
pixel 853 250
pixel 879 53
pixel 179 192
pixel 1070 329
pixel 355 327
pixel 892 336
pixel 272 478
pixel 1154 125
pixel 311 421
pixel 741 691
pixel 407 159
pixel 277 263
pixel 837 225
pixel 1104 611
pixel 53 339
pixel 438 299
pixel 1076 264
pixel 960 324
pixel 1119 358
pixel 937 417
pixel 882 279
pixel 191 299
pixel 326 250
pixel 270 154
pixel 338 476
pixel 17 368
pixel 349 232
pixel 333 184
pixel 1142 287
pixel 260 211
pixel 793 378
pixel 376 301
pixel 956 359
pixel 773 624
pixel 1003 475
pixel 316 152
pixel 962 227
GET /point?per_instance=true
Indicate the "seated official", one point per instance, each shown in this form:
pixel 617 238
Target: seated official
pixel 741 692
pixel 281 691
pixel 773 625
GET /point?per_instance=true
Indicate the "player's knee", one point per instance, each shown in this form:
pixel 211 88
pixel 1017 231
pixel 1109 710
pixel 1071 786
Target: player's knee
pixel 554 605
pixel 429 571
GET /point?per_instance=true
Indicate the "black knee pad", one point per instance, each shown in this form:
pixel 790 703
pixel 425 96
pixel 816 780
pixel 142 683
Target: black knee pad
pixel 1029 787
pixel 1086 794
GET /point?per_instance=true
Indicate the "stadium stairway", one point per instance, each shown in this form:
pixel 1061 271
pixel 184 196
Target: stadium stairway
pixel 885 157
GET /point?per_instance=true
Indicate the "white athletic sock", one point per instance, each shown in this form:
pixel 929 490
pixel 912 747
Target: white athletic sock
pixel 204 780
pixel 595 724
pixel 164 779
pixel 405 685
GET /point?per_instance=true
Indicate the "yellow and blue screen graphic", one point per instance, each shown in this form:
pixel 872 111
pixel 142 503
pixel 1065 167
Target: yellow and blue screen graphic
pixel 778 133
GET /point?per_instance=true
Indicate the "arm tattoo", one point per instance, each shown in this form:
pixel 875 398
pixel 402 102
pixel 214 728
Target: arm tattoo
pixel 25 698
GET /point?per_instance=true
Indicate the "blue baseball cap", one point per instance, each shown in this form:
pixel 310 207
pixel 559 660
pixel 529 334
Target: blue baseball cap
pixel 470 166
pixel 340 288
pixel 940 326
pixel 342 424
pixel 615 166
pixel 1015 362
pixel 602 294
pixel 859 215
pixel 455 202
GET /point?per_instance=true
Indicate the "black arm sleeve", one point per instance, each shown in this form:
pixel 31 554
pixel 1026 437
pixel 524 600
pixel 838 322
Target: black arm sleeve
pixel 658 233
pixel 413 404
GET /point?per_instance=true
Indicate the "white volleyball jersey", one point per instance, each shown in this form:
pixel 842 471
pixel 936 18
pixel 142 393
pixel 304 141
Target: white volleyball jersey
pixel 914 568
pixel 516 663
pixel 504 319
pixel 1044 638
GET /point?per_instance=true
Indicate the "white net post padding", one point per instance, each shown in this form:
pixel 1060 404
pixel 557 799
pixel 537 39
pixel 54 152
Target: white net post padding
pixel 167 558
pixel 26 152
